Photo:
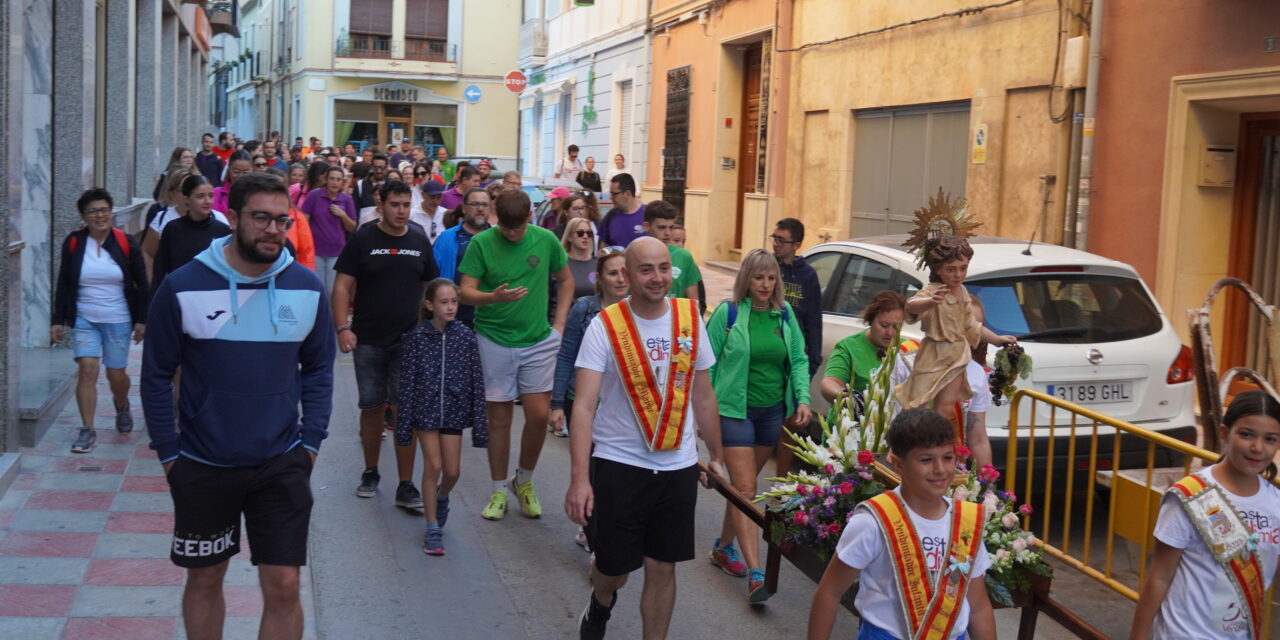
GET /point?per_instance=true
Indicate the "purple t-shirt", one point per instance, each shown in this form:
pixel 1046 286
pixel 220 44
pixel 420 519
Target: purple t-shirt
pixel 326 229
pixel 451 199
pixel 621 228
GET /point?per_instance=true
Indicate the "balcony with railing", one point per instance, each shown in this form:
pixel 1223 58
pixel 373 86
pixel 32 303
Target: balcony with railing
pixel 368 52
pixel 533 43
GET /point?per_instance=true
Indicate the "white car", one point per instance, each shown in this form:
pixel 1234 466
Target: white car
pixel 1095 333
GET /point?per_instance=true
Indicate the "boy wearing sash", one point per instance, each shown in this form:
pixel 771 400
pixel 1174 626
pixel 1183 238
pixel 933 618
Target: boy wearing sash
pixel 1217 537
pixel 646 359
pixel 920 555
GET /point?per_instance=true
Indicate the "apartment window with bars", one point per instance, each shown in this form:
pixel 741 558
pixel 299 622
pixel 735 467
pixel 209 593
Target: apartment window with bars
pixel 370 33
pixel 426 29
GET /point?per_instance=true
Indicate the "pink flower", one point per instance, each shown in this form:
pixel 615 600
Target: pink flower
pixel 830 468
pixel 988 473
pixel 800 518
pixel 865 458
pixel 1009 520
pixel 817 491
pixel 822 531
pixel 846 488
pixel 1025 509
pixel 963 451
pixel 834 528
pixel 802 490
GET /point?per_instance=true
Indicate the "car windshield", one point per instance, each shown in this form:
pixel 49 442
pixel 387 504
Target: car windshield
pixel 1067 308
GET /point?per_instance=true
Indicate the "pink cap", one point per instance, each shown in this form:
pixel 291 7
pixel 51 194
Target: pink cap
pixel 559 192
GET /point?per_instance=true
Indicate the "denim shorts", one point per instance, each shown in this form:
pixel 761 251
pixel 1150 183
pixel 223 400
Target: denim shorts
pixel 377 374
pixel 510 372
pixel 109 341
pixel 761 427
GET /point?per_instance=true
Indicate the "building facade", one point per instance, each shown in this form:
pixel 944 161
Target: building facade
pixel 719 99
pixel 587 70
pixel 893 101
pixel 92 92
pixel 375 72
pixel 1186 182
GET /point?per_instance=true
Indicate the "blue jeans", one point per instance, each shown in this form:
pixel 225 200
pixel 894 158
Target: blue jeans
pixel 868 631
pixel 761 427
pixel 109 341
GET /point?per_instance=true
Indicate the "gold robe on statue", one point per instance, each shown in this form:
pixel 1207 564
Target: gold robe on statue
pixel 951 332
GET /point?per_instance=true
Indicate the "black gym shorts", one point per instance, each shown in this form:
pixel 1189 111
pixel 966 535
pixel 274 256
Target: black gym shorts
pixel 274 497
pixel 639 513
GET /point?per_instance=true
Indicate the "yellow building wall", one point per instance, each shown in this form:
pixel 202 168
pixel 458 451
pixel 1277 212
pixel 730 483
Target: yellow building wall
pixel 711 46
pixel 1001 61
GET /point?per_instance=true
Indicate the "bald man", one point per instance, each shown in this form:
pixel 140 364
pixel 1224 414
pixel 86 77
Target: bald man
pixel 638 501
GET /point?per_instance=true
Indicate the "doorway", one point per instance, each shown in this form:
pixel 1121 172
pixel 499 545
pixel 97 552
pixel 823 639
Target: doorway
pixel 1255 239
pixel 397 122
pixel 749 140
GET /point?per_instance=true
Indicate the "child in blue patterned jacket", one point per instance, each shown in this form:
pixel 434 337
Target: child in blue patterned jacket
pixel 441 393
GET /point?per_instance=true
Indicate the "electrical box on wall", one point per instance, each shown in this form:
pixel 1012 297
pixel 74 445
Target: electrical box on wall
pixel 1217 165
pixel 1075 67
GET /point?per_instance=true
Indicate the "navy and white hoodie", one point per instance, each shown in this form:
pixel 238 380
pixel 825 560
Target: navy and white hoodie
pixel 250 350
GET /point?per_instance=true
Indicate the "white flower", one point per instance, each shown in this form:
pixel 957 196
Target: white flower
pixel 989 503
pixel 1001 554
pixel 1019 545
pixel 1009 521
pixel 960 493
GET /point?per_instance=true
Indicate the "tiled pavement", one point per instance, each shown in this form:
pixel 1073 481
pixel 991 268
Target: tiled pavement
pixel 84 541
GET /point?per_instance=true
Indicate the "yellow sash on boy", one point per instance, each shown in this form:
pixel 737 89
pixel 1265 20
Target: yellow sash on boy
pixel 930 608
pixel 1229 539
pixel 661 420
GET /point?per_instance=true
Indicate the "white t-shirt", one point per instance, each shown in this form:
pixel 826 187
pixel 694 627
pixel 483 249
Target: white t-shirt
pixel 862 546
pixel 569 169
pixel 615 432
pixel 1201 603
pixel 169 215
pixel 101 295
pixel 981 386
pixel 433 224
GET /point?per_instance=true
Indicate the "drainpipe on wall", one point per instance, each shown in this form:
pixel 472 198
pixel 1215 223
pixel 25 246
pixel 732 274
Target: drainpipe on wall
pixel 1073 171
pixel 1084 187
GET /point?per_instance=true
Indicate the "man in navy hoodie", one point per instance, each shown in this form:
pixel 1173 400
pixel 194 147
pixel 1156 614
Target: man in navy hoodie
pixel 251 331
pixel 801 289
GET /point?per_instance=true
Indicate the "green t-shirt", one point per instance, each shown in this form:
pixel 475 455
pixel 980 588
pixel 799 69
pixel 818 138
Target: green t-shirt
pixel 766 377
pixel 852 360
pixel 684 271
pixel 493 260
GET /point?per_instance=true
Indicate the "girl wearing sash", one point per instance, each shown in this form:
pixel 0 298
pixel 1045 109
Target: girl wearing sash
pixel 920 555
pixel 1217 536
pixel 761 377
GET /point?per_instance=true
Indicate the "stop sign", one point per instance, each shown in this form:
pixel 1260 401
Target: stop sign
pixel 516 81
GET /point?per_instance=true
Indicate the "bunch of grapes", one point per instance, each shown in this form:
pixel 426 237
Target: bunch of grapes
pixel 1011 363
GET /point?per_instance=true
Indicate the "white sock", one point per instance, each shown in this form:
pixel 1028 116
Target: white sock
pixel 523 476
pixel 500 485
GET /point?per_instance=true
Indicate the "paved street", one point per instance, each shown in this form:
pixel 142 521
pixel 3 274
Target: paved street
pixel 84 552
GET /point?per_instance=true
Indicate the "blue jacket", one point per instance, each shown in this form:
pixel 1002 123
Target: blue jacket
pixel 445 250
pixel 583 311
pixel 802 291
pixel 440 376
pixel 250 350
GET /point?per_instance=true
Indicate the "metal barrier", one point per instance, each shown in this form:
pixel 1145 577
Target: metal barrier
pixel 1134 499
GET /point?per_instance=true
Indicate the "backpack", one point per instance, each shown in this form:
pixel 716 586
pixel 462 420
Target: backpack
pixel 121 239
pixel 733 317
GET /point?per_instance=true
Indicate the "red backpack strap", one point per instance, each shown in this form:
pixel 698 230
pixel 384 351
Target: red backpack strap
pixel 123 241
pixel 72 241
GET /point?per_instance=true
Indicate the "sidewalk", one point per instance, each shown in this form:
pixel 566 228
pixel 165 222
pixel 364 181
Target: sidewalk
pixel 84 540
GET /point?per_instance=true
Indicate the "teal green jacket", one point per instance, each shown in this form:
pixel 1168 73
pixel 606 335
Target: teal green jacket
pixel 732 350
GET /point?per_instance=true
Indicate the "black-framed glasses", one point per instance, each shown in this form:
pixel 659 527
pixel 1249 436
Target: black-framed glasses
pixel 584 233
pixel 614 194
pixel 97 212
pixel 419 174
pixel 262 221
pixel 782 240
pixel 477 204
pixel 259 165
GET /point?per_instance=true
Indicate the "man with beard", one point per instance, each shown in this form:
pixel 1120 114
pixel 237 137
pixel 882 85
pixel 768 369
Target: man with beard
pixel 251 332
pixel 451 245
pixel 383 267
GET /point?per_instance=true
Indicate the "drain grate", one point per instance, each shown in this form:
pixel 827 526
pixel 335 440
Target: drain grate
pixel 89 468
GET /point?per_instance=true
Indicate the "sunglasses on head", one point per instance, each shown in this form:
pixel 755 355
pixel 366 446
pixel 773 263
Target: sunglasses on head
pixel 611 250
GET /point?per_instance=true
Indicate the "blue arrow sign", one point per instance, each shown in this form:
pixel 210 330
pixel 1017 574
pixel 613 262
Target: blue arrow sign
pixel 472 93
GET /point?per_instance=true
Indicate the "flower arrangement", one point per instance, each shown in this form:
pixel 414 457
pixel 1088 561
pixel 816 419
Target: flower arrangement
pixel 1015 553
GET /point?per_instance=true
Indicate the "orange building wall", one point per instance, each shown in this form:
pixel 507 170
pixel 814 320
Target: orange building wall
pixel 1145 44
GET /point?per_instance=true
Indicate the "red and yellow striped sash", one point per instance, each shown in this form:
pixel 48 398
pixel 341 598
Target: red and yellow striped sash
pixel 930 608
pixel 661 419
pixel 1243 569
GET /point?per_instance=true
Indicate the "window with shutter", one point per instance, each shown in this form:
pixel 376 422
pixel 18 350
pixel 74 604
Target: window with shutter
pixel 625 99
pixel 370 30
pixel 426 29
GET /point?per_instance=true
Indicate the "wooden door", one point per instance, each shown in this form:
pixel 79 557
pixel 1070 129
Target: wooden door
pixel 1255 238
pixel 748 151
pixel 675 153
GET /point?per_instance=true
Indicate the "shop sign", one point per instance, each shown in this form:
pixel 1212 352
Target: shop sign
pixel 385 94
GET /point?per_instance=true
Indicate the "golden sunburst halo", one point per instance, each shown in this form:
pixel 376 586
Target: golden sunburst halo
pixel 943 216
